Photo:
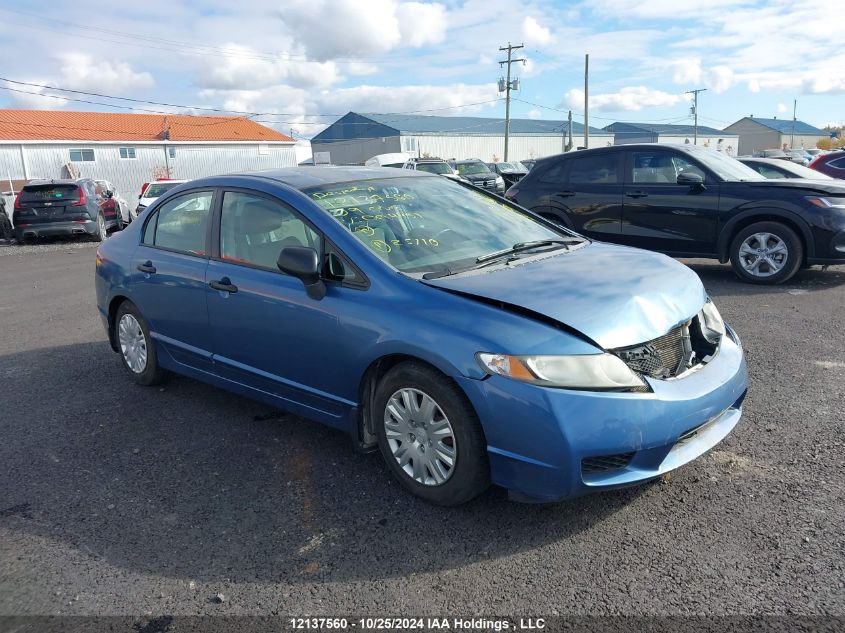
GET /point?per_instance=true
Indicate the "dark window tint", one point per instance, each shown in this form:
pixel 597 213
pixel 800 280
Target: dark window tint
pixel 839 163
pixel 553 174
pixel 182 223
pixel 599 169
pixel 49 193
pixel 338 268
pixel 254 229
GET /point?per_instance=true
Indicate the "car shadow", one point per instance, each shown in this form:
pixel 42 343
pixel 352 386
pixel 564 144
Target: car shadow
pixel 720 280
pixel 186 480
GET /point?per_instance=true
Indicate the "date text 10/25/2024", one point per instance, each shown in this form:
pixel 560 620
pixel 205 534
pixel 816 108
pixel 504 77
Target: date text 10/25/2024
pixel 419 624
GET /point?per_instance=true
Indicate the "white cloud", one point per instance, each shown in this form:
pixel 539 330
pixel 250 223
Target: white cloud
pixel 246 68
pixel 534 114
pixel 664 9
pixel 781 108
pixel 534 33
pixel 32 97
pixel 81 72
pixel 630 98
pixel 421 24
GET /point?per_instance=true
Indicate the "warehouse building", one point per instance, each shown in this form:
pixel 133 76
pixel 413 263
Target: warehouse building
pixel 757 134
pixel 354 138
pixel 130 149
pixel 625 133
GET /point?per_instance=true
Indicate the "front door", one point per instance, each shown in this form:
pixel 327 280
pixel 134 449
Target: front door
pixel 168 278
pixel 268 334
pixel 661 215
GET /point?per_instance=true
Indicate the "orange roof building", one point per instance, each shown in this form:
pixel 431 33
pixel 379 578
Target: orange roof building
pixel 130 149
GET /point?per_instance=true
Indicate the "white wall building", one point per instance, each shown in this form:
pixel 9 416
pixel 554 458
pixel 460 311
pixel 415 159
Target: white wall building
pixel 130 149
pixel 354 138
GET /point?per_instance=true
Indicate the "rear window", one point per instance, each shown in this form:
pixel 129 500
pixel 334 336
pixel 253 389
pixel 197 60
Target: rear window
pixel 49 193
pixel 158 188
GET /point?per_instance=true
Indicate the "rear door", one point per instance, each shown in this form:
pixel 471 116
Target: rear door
pixel 168 277
pixel 661 215
pixel 588 190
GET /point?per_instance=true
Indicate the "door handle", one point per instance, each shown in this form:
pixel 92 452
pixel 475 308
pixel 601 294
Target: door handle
pixel 224 285
pixel 147 267
pixel 565 194
pixel 636 194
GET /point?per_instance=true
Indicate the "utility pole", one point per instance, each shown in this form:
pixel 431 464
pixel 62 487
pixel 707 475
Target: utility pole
pixel 694 94
pixel 506 88
pixel 792 136
pixel 587 101
pixel 569 144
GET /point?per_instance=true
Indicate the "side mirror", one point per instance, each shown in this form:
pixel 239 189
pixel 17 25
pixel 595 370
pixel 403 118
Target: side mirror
pixel 304 264
pixel 690 179
pixel 109 193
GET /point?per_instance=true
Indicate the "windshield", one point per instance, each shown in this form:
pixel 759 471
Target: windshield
pixel 514 166
pixel 435 168
pixel 473 168
pixel 419 225
pixel 156 189
pixel 727 168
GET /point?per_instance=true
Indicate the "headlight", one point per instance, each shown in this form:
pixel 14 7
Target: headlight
pixel 712 325
pixel 500 180
pixel 592 371
pixel 827 203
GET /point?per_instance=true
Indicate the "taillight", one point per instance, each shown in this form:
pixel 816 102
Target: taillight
pixel 143 189
pixel 83 200
pixel 18 204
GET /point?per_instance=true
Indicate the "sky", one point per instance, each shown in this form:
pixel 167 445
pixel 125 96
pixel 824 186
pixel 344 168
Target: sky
pixel 298 65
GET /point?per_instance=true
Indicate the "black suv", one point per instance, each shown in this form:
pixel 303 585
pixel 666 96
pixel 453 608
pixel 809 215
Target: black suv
pixel 478 173
pixel 689 201
pixel 49 208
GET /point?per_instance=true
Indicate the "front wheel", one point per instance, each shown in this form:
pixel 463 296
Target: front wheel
pixel 766 253
pixel 136 348
pixel 430 436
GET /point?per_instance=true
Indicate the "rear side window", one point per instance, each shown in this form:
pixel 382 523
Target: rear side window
pixel 49 193
pixel 181 224
pixel 553 174
pixel 599 169
pixel 839 163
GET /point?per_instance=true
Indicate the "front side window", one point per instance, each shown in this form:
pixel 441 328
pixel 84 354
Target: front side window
pixel 254 230
pixel 660 167
pixel 419 225
pixel 82 155
pixel 181 224
pixel 598 169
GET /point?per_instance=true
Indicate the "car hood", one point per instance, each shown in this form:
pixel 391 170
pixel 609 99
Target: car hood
pixel 615 295
pixel 482 176
pixel 823 186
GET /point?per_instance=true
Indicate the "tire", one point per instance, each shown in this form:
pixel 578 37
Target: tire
pixel 779 263
pixel 102 232
pixel 427 442
pixel 137 336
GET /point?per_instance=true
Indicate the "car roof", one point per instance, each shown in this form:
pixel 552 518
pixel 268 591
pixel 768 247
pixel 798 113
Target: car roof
pixel 469 160
pixel 306 177
pixel 763 159
pixel 54 181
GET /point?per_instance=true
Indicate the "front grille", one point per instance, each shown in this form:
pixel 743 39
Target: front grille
pixel 488 183
pixel 605 463
pixel 662 357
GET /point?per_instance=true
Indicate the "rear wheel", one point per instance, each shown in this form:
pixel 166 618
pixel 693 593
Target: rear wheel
pixel 430 436
pixel 102 233
pixel 136 348
pixel 766 253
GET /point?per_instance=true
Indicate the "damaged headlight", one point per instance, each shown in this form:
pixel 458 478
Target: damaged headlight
pixel 593 371
pixel 712 325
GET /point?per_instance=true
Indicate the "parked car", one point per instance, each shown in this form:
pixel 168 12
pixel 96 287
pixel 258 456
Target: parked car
pixel 798 156
pixel 49 208
pixel 688 201
pixel 150 191
pixel 126 214
pixel 478 173
pixel 831 163
pixel 529 163
pixel 510 172
pixel 814 151
pixel 771 153
pixel 395 159
pixel 774 168
pixel 432 166
pixel 468 340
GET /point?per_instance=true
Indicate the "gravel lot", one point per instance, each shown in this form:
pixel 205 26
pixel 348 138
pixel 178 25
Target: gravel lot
pixel 118 499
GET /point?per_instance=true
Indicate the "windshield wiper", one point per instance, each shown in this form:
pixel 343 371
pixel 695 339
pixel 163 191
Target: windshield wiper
pixel 523 246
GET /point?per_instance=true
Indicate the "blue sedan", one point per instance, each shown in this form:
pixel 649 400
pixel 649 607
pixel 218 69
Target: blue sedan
pixel 468 340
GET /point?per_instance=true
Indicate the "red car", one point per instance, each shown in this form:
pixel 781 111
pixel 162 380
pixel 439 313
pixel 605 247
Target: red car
pixel 832 164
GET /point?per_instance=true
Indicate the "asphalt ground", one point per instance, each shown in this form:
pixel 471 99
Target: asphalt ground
pixel 184 499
